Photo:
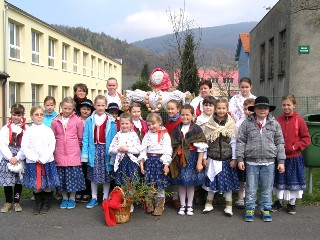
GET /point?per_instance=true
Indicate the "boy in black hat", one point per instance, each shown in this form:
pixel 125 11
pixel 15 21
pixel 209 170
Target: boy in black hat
pixel 260 142
pixel 115 111
pixel 85 108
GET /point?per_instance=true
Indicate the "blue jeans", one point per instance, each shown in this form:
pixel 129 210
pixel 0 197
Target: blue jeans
pixel 264 175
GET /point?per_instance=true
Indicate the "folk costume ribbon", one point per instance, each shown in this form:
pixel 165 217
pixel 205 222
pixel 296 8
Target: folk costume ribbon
pixel 40 171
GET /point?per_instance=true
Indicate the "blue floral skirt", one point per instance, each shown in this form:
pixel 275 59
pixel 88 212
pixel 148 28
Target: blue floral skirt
pixel 8 178
pixel 188 175
pixel 127 169
pixel 71 179
pixel 154 173
pixel 224 181
pixel 293 178
pixel 98 173
pixel 49 178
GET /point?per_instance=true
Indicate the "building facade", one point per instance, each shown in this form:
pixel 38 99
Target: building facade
pixel 42 61
pixel 284 52
pixel 242 55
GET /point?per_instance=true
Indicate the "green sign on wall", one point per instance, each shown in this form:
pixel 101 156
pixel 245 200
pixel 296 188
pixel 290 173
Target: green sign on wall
pixel 303 49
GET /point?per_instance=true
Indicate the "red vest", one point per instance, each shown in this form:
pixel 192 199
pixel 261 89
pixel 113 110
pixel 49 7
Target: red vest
pixel 99 136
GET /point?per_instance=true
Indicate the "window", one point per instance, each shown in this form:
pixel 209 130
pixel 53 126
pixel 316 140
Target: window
pixel 14 93
pixel 52 90
pixel 35 98
pixel 214 80
pixel 282 52
pixel 92 65
pixel 75 60
pixel 227 80
pixel 115 70
pixel 93 93
pixel 14 40
pixel 64 57
pixel 35 47
pixel 84 63
pixel 271 58
pixel 262 61
pixel 65 91
pixel 99 68
pixel 104 70
pixel 51 53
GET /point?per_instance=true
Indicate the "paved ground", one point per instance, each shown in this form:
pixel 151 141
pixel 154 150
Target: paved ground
pixel 81 223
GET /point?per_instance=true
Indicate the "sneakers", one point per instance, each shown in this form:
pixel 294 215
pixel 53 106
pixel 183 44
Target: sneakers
pixel 208 207
pixel 291 209
pixel 92 203
pixel 71 204
pixel 249 216
pixel 64 204
pixel 265 213
pixel 228 211
pixel 17 207
pixel 276 206
pixel 182 210
pixel 6 207
pixel 190 211
pixel 240 204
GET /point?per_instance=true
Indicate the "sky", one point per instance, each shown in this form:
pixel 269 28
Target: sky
pixel 134 20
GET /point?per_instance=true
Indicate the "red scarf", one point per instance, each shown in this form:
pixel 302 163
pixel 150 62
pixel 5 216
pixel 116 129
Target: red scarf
pixel 160 134
pixel 112 203
pixel 22 125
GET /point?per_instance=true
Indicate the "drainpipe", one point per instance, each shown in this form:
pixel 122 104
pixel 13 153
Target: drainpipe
pixel 4 85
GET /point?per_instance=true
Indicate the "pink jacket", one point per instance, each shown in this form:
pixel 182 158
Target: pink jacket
pixel 67 151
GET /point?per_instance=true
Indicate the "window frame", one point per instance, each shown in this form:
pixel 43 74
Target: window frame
pixel 51 53
pixel 35 47
pixel 15 45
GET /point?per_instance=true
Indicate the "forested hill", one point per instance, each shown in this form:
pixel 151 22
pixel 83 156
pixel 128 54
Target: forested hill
pixel 136 54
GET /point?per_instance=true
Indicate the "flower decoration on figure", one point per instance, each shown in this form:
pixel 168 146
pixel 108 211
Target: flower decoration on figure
pixel 160 96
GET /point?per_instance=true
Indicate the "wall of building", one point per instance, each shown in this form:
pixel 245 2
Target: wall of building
pixel 26 73
pixel 275 21
pixel 243 64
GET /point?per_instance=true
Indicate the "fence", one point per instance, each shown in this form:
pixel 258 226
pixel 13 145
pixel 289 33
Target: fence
pixel 305 105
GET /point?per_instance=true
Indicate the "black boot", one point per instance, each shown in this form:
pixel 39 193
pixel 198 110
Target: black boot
pixel 46 202
pixel 38 202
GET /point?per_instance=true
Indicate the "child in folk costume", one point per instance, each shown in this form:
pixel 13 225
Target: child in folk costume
pixel 155 159
pixel 221 160
pixel 236 102
pixel 115 111
pixel 98 133
pixel 208 109
pixel 49 112
pixel 125 146
pixel 290 184
pixel 125 105
pixel 86 109
pixel 189 145
pixel 139 125
pixel 242 173
pixel 38 145
pixel 11 156
pixel 260 142
pixel 173 110
pixel 68 130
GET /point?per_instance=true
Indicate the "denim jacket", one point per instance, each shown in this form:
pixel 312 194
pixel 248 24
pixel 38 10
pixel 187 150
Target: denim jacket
pixel 261 147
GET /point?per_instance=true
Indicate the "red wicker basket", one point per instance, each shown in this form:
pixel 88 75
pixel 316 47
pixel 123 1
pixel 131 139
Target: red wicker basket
pixel 123 215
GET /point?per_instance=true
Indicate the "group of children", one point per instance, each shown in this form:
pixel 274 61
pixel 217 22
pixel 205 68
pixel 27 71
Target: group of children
pixel 229 146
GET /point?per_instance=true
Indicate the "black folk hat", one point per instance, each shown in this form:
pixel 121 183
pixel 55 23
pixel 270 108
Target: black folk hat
pixel 87 103
pixel 262 101
pixel 114 106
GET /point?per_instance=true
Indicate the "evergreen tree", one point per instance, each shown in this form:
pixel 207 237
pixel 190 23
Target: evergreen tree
pixel 145 73
pixel 189 79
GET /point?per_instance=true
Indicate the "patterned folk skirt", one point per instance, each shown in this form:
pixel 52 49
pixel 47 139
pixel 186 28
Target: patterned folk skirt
pixel 8 178
pixel 49 176
pixel 188 175
pixel 127 171
pixel 99 173
pixel 224 181
pixel 71 179
pixel 293 179
pixel 154 174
